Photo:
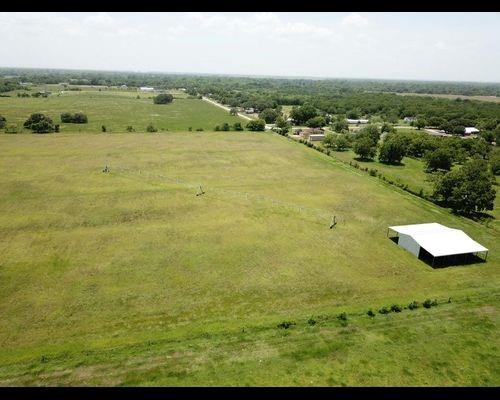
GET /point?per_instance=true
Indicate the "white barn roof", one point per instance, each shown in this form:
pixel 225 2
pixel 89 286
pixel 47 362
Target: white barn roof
pixel 440 240
pixel 470 129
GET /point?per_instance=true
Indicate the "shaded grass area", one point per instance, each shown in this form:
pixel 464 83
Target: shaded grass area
pixel 118 262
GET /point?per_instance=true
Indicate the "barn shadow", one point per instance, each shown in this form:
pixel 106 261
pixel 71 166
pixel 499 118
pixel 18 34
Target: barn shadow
pixel 449 261
pixel 446 261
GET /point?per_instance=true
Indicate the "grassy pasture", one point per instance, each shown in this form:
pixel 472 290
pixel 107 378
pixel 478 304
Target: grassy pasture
pixel 116 109
pixel 129 278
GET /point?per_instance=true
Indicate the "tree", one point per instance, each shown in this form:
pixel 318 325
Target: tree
pixel 467 190
pixel 256 125
pixel 233 111
pixel 340 125
pixel 237 126
pixel 364 147
pixel 3 122
pixel 420 123
pixel 440 158
pixel 393 150
pixel 225 127
pixel 39 123
pixel 387 128
pixel 495 162
pixel 282 125
pixel 316 122
pixel 163 98
pixel 303 113
pixel 371 131
pixel 269 115
pixel 336 142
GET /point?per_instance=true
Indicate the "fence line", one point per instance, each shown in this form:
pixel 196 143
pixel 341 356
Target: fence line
pixel 316 213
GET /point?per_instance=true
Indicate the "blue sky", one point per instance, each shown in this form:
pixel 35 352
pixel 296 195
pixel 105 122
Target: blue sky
pixel 430 46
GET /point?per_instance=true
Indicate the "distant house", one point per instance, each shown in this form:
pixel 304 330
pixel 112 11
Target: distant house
pixel 470 130
pixel 182 89
pixel 306 133
pixel 357 121
pixel 409 119
pixel 146 89
pixel 249 110
pixel 315 137
pixel 124 87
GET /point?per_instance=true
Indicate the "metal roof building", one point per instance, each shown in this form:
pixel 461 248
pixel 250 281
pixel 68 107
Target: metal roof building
pixel 436 240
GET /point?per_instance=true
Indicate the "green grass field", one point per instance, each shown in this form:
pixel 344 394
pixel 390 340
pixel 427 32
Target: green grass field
pixel 116 110
pixel 129 278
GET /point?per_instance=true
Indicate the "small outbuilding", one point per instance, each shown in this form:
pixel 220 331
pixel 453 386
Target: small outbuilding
pixel 357 121
pixel 434 242
pixel 470 130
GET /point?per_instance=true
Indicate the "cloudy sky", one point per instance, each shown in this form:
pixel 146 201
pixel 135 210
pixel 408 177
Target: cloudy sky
pixel 435 46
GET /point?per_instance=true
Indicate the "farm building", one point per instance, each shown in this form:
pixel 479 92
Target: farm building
pixel 316 137
pixel 409 119
pixel 357 121
pixel 470 130
pixel 146 89
pixel 306 133
pixel 434 242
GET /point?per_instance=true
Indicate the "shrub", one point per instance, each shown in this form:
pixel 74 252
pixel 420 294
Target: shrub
pixel 151 128
pixel 3 121
pixel 217 128
pixel 11 128
pixel 256 125
pixel 56 128
pixel 342 316
pixel 199 129
pixel 225 127
pixel 130 128
pixel 163 98
pixel 396 308
pixel 413 305
pixel 370 313
pixel 237 126
pixel 427 303
pixel 39 123
pixel 190 129
pixel 285 324
pixel 384 310
pixel 76 118
pixel 103 128
pixel 373 172
pixel 311 321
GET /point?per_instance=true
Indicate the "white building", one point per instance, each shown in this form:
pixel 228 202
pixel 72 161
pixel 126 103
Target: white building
pixel 470 130
pixel 316 137
pixel 357 121
pixel 146 89
pixel 436 242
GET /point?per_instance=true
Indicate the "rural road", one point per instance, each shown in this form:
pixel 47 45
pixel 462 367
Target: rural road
pixel 225 108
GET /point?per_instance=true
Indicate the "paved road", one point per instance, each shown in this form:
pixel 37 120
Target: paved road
pixel 225 108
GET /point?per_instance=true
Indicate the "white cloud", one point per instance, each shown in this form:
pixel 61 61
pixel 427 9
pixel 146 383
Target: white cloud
pixel 354 19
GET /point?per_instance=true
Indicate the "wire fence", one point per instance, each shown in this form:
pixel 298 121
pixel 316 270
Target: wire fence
pixel 198 188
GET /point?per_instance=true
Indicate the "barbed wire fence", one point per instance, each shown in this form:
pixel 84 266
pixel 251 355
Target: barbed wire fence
pixel 320 215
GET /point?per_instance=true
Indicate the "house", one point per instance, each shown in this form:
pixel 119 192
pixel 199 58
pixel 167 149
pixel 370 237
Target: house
pixel 306 133
pixel 124 87
pixel 435 242
pixel 249 110
pixel 409 119
pixel 470 130
pixel 146 89
pixel 357 121
pixel 315 137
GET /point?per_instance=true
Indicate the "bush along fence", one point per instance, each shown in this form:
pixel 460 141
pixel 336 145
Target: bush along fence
pixel 371 171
